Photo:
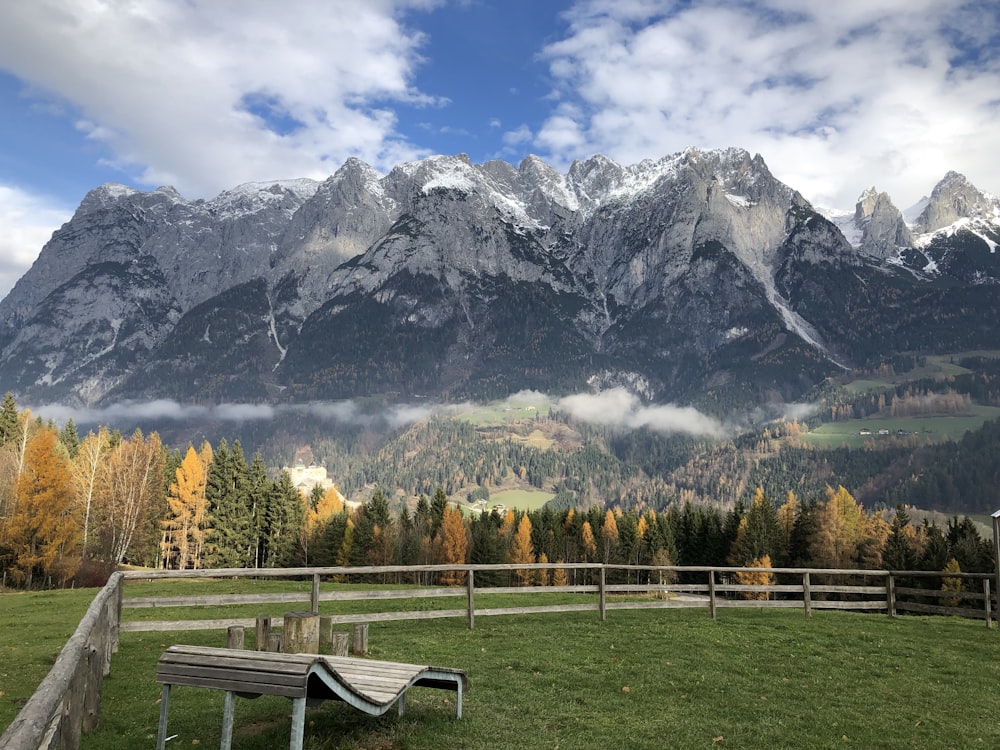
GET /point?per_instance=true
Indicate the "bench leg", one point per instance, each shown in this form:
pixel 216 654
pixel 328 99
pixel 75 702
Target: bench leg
pixel 401 703
pixel 298 723
pixel 227 721
pixel 458 700
pixel 161 732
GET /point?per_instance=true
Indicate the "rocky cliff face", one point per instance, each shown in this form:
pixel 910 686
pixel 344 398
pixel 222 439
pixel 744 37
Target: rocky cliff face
pixel 696 274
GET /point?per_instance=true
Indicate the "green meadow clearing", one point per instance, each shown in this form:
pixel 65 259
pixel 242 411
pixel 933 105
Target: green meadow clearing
pixel 642 679
pixel 925 429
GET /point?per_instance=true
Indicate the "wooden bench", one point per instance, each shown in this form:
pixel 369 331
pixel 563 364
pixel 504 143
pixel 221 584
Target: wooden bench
pixel 369 685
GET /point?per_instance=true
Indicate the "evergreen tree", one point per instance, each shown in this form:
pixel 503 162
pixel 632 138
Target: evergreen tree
pixel 9 419
pixel 899 551
pixel 232 541
pixel 69 438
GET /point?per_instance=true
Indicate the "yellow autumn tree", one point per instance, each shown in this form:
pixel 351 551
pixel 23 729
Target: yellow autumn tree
pixel 522 552
pixel 42 530
pixel 756 578
pixel 952 583
pixel 609 536
pixel 185 529
pixel 542 579
pixel 331 502
pixel 587 541
pixel 559 576
pixel 453 546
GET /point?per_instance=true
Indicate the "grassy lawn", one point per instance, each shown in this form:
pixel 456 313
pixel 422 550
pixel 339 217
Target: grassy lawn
pixel 642 679
pixel 36 625
pixel 669 679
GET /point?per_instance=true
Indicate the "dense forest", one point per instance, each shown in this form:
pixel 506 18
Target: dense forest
pixel 74 508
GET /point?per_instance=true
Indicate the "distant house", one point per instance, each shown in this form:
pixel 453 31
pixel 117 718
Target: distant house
pixel 883 431
pixel 865 431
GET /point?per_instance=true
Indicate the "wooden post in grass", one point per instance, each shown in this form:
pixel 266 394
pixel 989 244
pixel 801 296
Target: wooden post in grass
pixel 359 645
pixel 301 633
pixel 470 587
pixel 890 594
pixel 602 596
pixel 314 597
pixel 339 644
pixel 262 634
pixel 806 595
pixel 234 637
pixel 711 593
pixel 325 632
pixel 989 604
pixel 275 641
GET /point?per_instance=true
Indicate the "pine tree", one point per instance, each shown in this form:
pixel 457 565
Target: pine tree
pixel 900 553
pixel 9 419
pixel 232 541
pixel 69 438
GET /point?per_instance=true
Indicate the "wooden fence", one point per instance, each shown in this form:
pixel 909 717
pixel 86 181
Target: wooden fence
pixel 68 702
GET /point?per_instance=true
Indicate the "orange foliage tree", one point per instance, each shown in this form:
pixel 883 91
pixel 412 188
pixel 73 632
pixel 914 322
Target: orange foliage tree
pixel 454 545
pixel 42 529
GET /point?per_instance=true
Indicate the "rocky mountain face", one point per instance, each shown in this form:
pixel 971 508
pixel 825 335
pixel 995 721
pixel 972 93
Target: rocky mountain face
pixel 698 277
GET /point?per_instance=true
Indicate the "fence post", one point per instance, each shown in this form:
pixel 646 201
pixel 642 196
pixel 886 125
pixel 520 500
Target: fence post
pixel 807 605
pixel 602 596
pixel 989 604
pixel 890 594
pixel 470 586
pixel 711 593
pixel 314 597
pixel 262 634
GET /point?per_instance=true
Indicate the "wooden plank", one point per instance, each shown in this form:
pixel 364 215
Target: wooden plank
pixel 939 609
pixel 874 605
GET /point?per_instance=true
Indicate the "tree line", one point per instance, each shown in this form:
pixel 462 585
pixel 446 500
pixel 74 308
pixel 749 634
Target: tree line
pixel 67 503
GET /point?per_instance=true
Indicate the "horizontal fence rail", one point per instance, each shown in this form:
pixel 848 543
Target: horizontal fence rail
pixel 68 702
pixel 708 587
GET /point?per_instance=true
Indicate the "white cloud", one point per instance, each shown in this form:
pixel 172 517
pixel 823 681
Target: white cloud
pixel 26 223
pixel 835 96
pixel 210 93
pixel 618 407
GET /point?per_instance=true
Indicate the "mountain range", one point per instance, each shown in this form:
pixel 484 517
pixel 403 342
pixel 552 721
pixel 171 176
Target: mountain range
pixel 698 278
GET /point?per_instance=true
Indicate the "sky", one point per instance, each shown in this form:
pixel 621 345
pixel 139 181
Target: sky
pixel 206 94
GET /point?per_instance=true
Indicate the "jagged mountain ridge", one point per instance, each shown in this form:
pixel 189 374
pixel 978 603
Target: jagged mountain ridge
pixel 696 276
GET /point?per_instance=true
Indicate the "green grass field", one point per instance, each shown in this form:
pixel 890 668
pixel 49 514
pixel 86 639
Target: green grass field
pixel 928 429
pixel 642 679
pixel 520 499
pixel 936 367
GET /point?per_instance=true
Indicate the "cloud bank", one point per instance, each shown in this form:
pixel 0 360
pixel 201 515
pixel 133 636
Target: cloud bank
pixel 206 95
pixel 26 223
pixel 615 407
pixel 830 93
pixel 619 408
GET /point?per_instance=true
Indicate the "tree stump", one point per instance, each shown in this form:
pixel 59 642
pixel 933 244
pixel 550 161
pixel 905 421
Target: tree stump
pixel 359 645
pixel 275 642
pixel 301 633
pixel 234 637
pixel 339 646
pixel 325 632
pixel 262 634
